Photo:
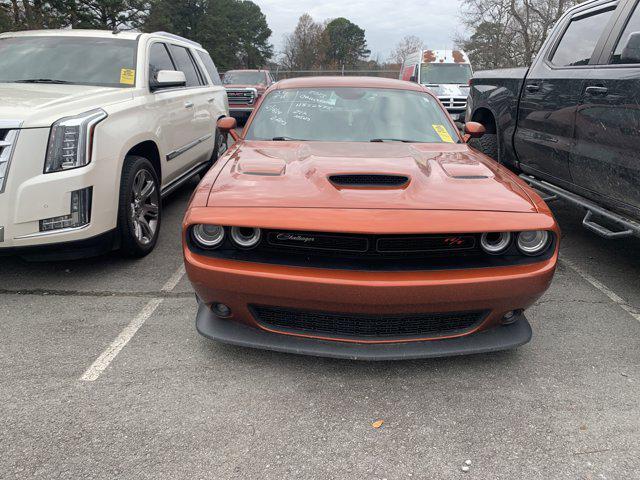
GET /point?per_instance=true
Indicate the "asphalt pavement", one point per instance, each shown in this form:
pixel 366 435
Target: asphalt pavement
pixel 104 376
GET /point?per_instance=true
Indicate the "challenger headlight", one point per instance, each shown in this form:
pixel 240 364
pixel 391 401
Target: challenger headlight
pixel 495 243
pixel 533 242
pixel 208 236
pixel 71 141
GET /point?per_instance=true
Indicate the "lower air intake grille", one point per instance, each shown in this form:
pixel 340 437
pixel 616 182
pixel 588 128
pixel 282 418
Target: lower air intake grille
pixel 359 326
pixel 369 180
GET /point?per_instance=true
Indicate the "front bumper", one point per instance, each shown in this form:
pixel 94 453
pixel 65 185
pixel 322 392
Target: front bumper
pixel 31 195
pixel 242 284
pixel 503 337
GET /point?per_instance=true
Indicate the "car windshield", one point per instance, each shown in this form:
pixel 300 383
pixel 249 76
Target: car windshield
pixel 244 78
pixel 107 62
pixel 351 115
pixel 445 73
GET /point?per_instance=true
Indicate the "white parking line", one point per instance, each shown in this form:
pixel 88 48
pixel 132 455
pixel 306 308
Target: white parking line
pixel 102 362
pixel 174 279
pixel 621 302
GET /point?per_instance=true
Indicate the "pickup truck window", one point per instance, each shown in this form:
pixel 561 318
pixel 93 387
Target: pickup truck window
pixel 105 62
pixel 185 64
pixel 159 59
pixel 579 39
pixel 633 26
pixel 244 78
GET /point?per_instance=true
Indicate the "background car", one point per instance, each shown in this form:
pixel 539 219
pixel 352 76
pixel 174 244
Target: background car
pixel 352 220
pixel 244 89
pixel 95 129
pixel 445 72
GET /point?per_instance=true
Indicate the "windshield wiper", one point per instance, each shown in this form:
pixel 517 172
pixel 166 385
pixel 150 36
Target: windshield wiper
pixel 403 140
pixel 287 139
pixel 42 80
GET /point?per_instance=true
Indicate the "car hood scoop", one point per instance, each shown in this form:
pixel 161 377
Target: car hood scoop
pixel 346 175
pixel 368 180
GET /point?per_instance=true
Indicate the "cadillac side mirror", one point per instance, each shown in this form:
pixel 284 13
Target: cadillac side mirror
pixel 227 125
pixel 168 79
pixel 631 51
pixel 474 129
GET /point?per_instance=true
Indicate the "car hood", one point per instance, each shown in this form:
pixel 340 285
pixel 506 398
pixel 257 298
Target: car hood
pixel 296 174
pixel 39 105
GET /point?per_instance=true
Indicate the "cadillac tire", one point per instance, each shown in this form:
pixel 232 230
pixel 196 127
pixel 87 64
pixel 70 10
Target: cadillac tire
pixel 139 212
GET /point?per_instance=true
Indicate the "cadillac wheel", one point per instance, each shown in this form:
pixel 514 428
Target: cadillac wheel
pixel 140 207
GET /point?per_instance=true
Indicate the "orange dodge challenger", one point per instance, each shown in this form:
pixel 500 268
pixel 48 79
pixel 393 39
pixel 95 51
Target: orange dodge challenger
pixel 351 219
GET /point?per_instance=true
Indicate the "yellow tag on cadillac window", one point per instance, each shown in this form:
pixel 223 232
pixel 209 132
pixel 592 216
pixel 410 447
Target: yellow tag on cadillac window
pixel 442 132
pixel 127 76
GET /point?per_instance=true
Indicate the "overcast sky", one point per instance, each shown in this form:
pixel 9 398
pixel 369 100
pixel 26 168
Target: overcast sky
pixel 385 21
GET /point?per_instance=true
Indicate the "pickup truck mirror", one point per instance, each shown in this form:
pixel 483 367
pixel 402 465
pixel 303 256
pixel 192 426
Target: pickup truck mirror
pixel 474 129
pixel 168 79
pixel 631 51
pixel 227 125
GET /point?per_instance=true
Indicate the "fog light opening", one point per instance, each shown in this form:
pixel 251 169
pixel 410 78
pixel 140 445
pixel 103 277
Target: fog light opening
pixel 221 310
pixel 511 317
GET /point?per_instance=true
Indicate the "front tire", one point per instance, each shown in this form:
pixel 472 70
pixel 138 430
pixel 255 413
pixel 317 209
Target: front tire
pixel 139 213
pixel 487 144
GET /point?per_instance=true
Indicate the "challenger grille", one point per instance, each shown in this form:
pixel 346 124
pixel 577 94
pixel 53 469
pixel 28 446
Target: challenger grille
pixel 8 136
pixel 371 245
pixel 241 96
pixel 363 326
pixel 454 103
pixel 369 180
pixel 369 252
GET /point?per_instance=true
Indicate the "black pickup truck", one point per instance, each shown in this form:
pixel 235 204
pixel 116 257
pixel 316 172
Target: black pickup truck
pixel 571 122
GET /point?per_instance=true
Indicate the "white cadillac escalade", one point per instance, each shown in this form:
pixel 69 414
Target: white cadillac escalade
pixel 95 129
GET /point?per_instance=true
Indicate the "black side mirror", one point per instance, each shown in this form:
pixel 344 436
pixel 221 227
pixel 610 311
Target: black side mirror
pixel 631 51
pixel 413 78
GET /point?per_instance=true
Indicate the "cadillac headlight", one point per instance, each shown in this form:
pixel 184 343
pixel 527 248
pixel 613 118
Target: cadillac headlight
pixel 71 141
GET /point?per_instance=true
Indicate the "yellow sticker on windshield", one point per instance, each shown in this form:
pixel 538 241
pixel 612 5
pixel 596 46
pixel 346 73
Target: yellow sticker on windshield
pixel 127 76
pixel 442 132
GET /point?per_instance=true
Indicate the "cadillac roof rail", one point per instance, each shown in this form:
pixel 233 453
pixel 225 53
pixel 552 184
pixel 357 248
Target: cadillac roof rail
pixel 177 37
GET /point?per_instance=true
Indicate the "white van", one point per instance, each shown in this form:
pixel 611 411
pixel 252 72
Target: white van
pixel 445 72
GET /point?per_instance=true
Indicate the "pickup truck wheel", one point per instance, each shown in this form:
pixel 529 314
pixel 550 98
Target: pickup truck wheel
pixel 487 144
pixel 139 211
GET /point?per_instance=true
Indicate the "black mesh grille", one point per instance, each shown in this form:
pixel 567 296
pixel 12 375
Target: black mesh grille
pixel 354 326
pixel 318 241
pixel 426 243
pixel 3 133
pixel 369 180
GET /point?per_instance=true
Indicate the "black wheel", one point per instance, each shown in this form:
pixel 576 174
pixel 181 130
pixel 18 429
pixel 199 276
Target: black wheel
pixel 139 211
pixel 221 146
pixel 487 144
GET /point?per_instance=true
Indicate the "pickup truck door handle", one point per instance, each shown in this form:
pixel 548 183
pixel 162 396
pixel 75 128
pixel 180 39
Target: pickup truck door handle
pixel 596 90
pixel 532 87
pixel 211 100
pixel 188 104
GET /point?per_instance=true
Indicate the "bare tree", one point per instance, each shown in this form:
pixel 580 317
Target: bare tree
pixel 302 48
pixel 406 46
pixel 508 33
